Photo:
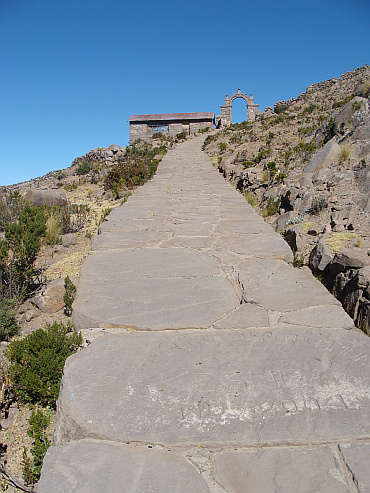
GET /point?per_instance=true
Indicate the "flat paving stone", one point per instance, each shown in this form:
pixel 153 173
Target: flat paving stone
pixel 152 289
pixel 92 466
pixel 267 245
pixel 274 285
pixel 244 387
pixel 246 315
pixel 319 316
pixel 295 470
pixel 357 459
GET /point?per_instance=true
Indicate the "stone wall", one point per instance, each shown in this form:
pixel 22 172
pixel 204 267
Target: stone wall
pixel 143 131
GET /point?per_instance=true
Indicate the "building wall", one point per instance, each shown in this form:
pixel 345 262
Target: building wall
pixel 143 131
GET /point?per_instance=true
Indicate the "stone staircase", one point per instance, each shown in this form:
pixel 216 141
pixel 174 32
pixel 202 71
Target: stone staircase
pixel 213 364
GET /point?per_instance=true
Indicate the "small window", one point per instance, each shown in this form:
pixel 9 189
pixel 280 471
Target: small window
pixel 155 128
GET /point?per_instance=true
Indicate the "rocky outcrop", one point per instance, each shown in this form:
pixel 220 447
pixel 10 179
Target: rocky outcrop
pixel 101 154
pixel 50 197
pixel 308 168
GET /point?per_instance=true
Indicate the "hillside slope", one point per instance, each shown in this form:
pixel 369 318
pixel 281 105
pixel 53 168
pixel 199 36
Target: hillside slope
pixel 305 166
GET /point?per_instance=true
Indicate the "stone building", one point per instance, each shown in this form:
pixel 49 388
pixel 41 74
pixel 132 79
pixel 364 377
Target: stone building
pixel 144 126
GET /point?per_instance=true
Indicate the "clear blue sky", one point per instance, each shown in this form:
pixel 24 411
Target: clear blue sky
pixel 73 71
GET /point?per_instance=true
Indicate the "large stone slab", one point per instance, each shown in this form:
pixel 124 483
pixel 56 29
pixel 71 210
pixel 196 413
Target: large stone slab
pixel 245 387
pixel 152 289
pixel 95 467
pixel 277 286
pixel 294 470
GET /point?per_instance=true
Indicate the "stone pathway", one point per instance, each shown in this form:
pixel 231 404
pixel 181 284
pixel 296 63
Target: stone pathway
pixel 214 365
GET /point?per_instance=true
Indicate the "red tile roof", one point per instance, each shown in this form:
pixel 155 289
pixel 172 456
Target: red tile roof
pixel 172 116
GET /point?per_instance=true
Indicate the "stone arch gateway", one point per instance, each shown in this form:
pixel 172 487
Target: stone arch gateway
pixel 226 109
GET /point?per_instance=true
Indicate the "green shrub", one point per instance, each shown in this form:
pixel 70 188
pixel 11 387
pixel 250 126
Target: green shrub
pixel 37 363
pixel 38 423
pixel 271 208
pixel 19 251
pixel 83 168
pixel 69 295
pixel 298 260
pixel 180 136
pixel 208 140
pixel 134 168
pixel 318 204
pixel 11 205
pixel 222 146
pixel 8 324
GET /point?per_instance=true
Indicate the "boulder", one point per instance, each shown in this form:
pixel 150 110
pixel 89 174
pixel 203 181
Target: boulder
pixel 295 237
pixel 320 256
pixel 69 239
pixel 50 300
pixel 323 157
pixel 348 259
pixel 48 197
pixel 305 181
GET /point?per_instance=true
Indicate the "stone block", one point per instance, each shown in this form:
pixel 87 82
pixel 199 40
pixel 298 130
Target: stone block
pixel 245 388
pixel 91 466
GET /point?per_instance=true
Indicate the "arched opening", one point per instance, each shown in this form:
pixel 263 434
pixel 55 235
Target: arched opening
pixel 239 110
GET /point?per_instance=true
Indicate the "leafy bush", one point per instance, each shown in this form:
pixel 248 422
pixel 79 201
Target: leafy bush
pixel 38 423
pixel 271 208
pixel 83 168
pixel 208 140
pixel 37 363
pixel 180 136
pixel 222 146
pixel 8 324
pixel 135 168
pixel 69 295
pixel 19 251
pixel 298 260
pixel 11 204
pixel 318 204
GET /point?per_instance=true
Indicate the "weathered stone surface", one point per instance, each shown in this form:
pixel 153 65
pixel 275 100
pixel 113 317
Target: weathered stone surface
pixel 292 470
pixel 247 315
pixel 152 288
pixel 267 245
pixel 357 458
pixel 348 259
pixel 277 370
pixel 48 197
pixel 323 157
pixel 319 316
pixel 276 286
pixel 244 387
pixel 320 256
pixel 50 300
pixel 92 466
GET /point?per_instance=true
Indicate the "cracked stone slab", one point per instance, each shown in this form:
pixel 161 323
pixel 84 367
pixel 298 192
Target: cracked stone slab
pixel 247 315
pixel 152 289
pixel 280 287
pixel 91 466
pixel 243 227
pixel 263 245
pixel 319 316
pixel 292 470
pixel 357 458
pixel 127 239
pixel 245 387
